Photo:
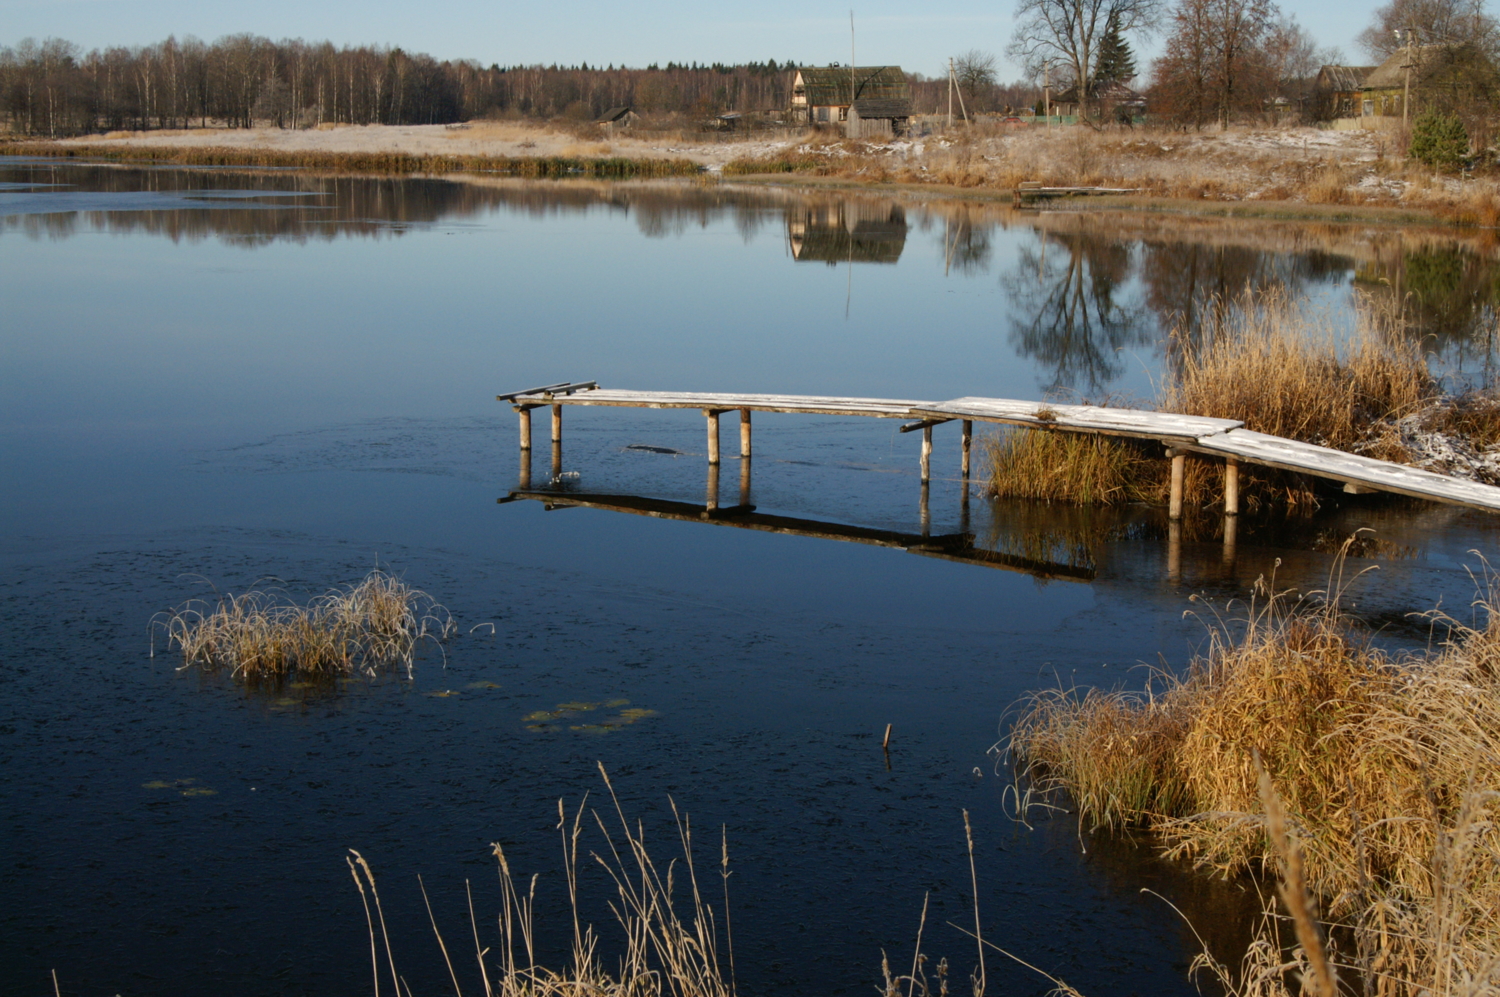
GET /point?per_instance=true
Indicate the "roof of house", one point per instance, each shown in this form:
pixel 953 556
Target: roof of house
pixel 1343 78
pixel 1392 72
pixel 1111 90
pixel 614 114
pixel 882 107
pixel 829 85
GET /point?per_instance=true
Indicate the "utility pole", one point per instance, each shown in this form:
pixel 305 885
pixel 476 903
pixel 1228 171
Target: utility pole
pixel 950 92
pixel 1406 95
pixel 1047 90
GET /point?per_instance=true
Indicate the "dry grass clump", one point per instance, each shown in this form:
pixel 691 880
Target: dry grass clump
pixel 263 635
pixel 666 952
pixel 1388 767
pixel 1257 358
pixel 1051 466
pixel 529 167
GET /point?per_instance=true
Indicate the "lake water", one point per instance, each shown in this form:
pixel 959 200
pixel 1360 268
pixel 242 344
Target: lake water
pixel 227 376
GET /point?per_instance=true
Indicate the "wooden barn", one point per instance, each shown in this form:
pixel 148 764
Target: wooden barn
pixel 617 117
pixel 869 101
pixel 1339 90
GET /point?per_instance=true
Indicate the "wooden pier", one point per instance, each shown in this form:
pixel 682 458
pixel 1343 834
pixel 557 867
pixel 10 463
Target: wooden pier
pixel 1225 440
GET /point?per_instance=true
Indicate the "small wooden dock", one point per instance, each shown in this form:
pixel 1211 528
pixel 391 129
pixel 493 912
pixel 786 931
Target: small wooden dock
pixel 1181 436
pixel 1032 192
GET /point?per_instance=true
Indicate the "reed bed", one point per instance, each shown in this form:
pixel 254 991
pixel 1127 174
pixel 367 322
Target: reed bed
pixel 1258 358
pixel 528 167
pixel 260 635
pixel 667 953
pixel 1386 769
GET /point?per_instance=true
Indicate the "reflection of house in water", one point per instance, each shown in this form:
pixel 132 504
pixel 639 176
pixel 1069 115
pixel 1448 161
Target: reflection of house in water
pixel 847 231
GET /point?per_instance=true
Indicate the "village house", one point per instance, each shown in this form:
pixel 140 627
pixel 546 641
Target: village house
pixel 1339 90
pixel 869 101
pixel 617 117
pixel 1110 100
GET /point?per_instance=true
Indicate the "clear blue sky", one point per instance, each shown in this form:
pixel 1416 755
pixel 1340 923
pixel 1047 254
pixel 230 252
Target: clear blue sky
pixel 917 36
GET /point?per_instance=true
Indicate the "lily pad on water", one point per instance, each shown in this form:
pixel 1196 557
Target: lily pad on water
pixel 483 685
pixel 444 694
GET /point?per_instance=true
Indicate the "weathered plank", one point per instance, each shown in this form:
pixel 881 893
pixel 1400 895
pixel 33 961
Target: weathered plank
pixel 886 408
pixel 1290 455
pixel 1165 426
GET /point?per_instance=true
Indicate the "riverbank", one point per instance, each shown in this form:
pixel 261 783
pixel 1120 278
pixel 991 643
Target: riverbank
pixel 1292 173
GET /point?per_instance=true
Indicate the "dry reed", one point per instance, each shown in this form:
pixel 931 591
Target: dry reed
pixel 667 953
pixel 264 635
pixel 529 167
pixel 1258 358
pixel 1387 766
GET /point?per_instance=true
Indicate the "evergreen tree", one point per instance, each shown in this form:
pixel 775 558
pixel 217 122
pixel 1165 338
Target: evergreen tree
pixel 1440 141
pixel 1116 63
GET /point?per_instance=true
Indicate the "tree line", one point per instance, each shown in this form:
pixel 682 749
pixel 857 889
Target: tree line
pixel 1228 59
pixel 54 88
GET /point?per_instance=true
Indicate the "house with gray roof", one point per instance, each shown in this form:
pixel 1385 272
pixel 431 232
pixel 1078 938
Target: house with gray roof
pixel 868 101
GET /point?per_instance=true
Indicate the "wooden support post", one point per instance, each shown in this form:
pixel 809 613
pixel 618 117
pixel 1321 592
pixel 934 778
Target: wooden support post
pixel 525 470
pixel 557 424
pixel 1231 487
pixel 1174 504
pixel 711 500
pixel 968 444
pixel 1231 528
pixel 744 482
pixel 926 453
pixel 556 461
pixel 1174 552
pixel 744 434
pixel 925 512
pixel 524 413
pixel 713 434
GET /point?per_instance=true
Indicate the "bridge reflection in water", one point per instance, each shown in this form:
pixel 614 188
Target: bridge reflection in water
pixel 1047 542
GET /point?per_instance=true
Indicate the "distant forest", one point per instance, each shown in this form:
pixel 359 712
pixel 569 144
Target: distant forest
pixel 54 88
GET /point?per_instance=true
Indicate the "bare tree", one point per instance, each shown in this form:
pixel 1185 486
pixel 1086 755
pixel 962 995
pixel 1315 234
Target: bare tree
pixel 1450 21
pixel 975 71
pixel 1070 32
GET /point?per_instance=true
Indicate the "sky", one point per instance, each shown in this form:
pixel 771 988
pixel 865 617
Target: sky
pixel 917 36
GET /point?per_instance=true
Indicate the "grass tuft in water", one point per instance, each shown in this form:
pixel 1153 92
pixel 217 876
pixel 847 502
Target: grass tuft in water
pixel 1265 361
pixel 1387 768
pixel 674 944
pixel 363 628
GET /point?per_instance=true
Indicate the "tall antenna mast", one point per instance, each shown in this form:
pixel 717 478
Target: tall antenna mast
pixel 852 63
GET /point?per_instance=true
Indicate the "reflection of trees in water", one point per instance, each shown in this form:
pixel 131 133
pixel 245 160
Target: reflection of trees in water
pixel 966 246
pixel 1189 285
pixel 1445 293
pixel 370 207
pixel 1071 318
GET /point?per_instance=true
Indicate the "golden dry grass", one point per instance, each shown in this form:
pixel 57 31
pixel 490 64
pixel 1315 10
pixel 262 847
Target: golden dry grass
pixel 667 952
pixel 1388 768
pixel 263 635
pixel 1257 358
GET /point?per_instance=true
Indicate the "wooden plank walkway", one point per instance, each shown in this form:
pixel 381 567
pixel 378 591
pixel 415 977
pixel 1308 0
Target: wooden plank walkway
pixel 1180 435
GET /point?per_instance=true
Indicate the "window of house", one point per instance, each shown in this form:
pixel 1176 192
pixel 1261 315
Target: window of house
pixel 823 114
pixel 1369 108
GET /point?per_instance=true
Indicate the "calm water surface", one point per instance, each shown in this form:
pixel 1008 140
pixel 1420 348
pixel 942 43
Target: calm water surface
pixel 238 376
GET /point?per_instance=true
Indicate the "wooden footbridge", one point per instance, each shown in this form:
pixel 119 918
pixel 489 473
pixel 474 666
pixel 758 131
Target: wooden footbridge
pixel 1225 440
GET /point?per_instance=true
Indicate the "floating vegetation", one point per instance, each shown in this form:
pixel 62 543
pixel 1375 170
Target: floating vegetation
pixel 184 787
pixel 263 635
pixel 443 693
pixel 545 719
pixel 483 685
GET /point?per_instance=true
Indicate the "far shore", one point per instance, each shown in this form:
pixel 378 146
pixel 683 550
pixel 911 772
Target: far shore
pixel 1284 174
